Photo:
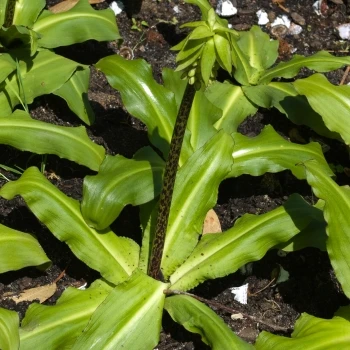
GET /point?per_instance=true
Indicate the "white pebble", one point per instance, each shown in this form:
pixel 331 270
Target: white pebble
pixel 262 17
pixel 344 31
pixel 225 8
pixel 117 7
pixel 284 20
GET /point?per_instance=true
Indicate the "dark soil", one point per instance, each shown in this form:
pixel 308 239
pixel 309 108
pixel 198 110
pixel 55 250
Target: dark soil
pixel 312 286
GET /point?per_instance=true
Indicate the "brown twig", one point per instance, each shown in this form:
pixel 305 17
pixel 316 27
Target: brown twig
pixel 230 310
pixel 279 4
pixel 346 73
pixel 259 291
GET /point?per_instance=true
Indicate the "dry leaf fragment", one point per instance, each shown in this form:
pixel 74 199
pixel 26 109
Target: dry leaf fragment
pixel 211 223
pixel 68 4
pixel 41 293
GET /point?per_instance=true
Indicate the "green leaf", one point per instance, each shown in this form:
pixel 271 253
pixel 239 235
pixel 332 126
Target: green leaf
pixel 270 152
pixel 121 181
pixel 114 257
pixel 198 318
pixel 16 34
pixel 233 103
pixel 76 25
pixel 19 250
pixel 330 101
pixel 321 61
pixel 208 59
pixel 286 99
pixel 36 81
pixel 145 99
pixel 336 214
pixel 173 82
pixel 311 333
pixel 202 118
pixel 129 318
pixel 75 92
pixel 7 66
pixel 257 45
pixel 313 235
pixel 9 336
pixel 219 254
pixel 196 182
pixel 58 326
pixel 27 134
pixel 26 12
pixel 190 48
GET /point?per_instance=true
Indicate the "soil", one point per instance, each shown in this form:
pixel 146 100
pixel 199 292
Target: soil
pixel 311 287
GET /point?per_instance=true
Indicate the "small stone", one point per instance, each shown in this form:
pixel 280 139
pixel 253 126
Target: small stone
pixel 279 31
pixel 117 7
pixel 262 17
pixel 272 16
pixel 344 31
pixel 294 29
pixel 297 18
pixel 281 20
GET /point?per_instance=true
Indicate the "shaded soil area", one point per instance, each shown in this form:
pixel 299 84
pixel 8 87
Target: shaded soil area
pixel 311 287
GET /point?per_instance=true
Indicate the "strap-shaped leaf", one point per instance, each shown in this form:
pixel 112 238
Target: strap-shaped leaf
pixel 9 335
pixel 58 326
pixel 145 99
pixel 76 25
pixel 121 181
pixel 114 257
pixel 311 333
pixel 74 92
pixel 286 99
pixel 219 254
pixel 129 318
pixel 196 317
pixel 270 152
pixel 26 12
pixel 257 45
pixel 330 101
pixel 195 193
pixel 321 61
pixel 27 134
pixel 35 79
pixel 7 66
pixel 19 249
pixel 336 213
pixel 233 103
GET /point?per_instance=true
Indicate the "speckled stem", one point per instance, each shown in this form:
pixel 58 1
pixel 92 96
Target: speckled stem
pixel 166 195
pixel 10 11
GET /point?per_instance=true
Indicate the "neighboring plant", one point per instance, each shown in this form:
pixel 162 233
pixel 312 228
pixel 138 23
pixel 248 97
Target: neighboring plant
pixel 29 67
pixel 123 310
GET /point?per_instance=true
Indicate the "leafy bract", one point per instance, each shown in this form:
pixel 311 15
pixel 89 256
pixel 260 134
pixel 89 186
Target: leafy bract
pixel 219 254
pixel 76 25
pixel 195 193
pixel 145 99
pixel 33 72
pixel 27 134
pixel 270 152
pixel 310 333
pixel 121 181
pixel 114 257
pixel 336 214
pixel 330 101
pixel 199 318
pixel 58 326
pixel 129 318
pixel 19 250
pixel 286 99
pixel 321 61
pixel 233 103
pixel 75 92
pixel 9 336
